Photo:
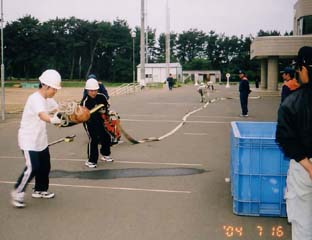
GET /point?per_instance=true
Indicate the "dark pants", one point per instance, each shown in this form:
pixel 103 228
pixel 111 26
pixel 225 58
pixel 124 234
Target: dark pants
pixel 202 94
pixel 244 103
pixel 38 165
pixel 170 85
pixel 257 84
pixel 97 135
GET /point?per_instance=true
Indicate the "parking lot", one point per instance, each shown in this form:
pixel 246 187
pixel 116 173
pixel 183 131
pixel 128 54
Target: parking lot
pixel 172 189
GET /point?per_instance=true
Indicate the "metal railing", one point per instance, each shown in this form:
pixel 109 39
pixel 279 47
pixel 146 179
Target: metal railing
pixel 126 88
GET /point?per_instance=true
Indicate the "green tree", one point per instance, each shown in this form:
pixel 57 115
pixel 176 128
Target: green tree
pixel 190 44
pixel 198 64
pixel 263 33
pixel 78 47
pixel 22 47
pixel 161 48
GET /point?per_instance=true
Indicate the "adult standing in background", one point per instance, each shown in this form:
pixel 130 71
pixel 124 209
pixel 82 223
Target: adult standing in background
pixel 244 91
pixel 33 139
pixel 257 82
pixel 170 81
pixel 294 135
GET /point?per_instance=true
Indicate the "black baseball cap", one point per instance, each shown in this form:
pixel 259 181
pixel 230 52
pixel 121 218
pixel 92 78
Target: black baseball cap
pixel 288 70
pixel 92 76
pixel 241 72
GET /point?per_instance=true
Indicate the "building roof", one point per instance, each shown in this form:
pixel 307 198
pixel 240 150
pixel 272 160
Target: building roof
pixel 161 65
pixel 282 46
pixel 202 71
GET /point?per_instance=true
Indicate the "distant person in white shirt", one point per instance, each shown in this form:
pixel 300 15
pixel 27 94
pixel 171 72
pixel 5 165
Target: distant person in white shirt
pixel 202 90
pixel 33 139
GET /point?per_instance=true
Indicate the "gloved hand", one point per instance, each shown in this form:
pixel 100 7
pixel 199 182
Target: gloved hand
pixel 55 119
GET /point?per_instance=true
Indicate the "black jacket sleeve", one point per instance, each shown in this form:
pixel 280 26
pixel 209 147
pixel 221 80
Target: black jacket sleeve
pixel 103 90
pixel 287 135
pixel 285 92
pixel 244 87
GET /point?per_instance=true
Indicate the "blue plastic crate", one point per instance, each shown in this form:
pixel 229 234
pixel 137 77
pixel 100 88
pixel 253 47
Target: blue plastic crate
pixel 259 195
pixel 254 150
pixel 259 209
pixel 258 170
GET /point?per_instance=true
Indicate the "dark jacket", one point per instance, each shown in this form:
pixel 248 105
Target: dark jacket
pixel 90 103
pixel 294 124
pixel 170 80
pixel 244 88
pixel 289 87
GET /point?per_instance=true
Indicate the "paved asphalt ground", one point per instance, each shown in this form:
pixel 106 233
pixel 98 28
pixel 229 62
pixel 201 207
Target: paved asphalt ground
pixel 172 189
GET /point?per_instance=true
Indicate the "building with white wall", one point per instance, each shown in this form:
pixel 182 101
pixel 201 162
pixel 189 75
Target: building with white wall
pixel 197 76
pixel 157 72
pixel 268 50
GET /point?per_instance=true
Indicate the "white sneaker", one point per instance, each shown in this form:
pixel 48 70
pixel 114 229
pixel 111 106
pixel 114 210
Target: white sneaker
pixel 18 199
pixel 42 194
pixel 107 159
pixel 90 164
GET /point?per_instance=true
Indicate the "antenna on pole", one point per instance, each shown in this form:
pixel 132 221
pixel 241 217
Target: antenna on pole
pixel 142 44
pixel 167 39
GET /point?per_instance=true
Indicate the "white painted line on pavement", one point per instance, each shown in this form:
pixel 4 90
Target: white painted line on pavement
pixel 172 121
pixel 146 120
pixel 196 134
pixel 123 162
pixel 174 103
pixel 217 117
pixel 110 188
pixel 159 163
pixel 142 115
pixel 209 122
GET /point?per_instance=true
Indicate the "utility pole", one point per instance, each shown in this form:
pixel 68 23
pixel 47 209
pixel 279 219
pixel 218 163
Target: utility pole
pixel 167 40
pixel 133 35
pixel 142 44
pixel 2 68
pixel 146 33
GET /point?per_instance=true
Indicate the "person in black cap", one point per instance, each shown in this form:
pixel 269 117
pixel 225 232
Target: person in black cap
pixel 294 136
pixel 290 83
pixel 257 82
pixel 170 82
pixel 244 91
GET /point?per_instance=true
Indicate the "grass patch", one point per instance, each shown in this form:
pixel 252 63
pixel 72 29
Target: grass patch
pixel 155 85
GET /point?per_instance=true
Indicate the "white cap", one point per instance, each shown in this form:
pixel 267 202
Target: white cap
pixel 51 78
pixel 92 84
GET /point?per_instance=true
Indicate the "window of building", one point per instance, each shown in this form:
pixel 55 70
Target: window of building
pixel 305 25
pixel 299 26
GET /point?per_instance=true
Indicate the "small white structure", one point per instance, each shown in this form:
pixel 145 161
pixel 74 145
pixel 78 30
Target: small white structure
pixel 197 76
pixel 156 72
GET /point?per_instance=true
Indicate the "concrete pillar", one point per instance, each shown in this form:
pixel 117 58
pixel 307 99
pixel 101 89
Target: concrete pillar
pixel 264 74
pixel 273 73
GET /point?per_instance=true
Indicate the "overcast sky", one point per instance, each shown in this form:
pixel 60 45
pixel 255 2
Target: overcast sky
pixel 232 17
